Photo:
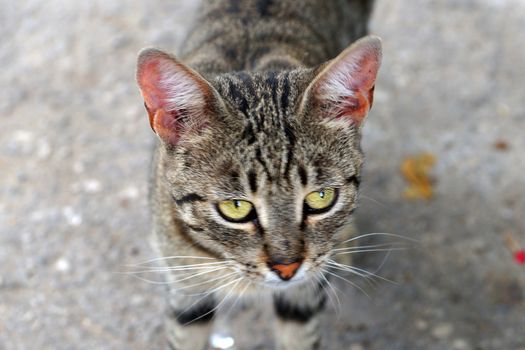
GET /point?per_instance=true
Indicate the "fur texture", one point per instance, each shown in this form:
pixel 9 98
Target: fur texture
pixel 261 116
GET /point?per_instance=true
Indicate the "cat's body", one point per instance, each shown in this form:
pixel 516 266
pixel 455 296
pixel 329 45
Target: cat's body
pixel 255 176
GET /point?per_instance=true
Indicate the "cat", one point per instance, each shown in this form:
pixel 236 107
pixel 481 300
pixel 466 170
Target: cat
pixel 257 167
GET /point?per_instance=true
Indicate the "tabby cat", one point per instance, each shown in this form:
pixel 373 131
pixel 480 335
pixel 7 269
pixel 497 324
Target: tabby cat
pixel 256 172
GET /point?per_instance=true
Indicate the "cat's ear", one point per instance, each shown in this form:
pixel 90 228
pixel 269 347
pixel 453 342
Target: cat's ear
pixel 176 97
pixel 343 90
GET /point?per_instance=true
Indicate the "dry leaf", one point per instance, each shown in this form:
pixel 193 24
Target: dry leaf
pixel 501 145
pixel 416 171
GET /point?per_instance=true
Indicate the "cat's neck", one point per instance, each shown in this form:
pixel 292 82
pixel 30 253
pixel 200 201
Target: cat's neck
pixel 242 35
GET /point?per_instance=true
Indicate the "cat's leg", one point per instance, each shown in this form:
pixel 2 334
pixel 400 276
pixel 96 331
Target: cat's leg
pixel 297 311
pixel 189 321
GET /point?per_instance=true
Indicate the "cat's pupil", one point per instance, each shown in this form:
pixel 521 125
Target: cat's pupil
pixel 237 204
pixel 321 194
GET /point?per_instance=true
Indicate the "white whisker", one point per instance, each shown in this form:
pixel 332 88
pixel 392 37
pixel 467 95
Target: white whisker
pixel 399 244
pixel 218 305
pixel 207 281
pixel 327 292
pixel 170 257
pixel 215 289
pixel 381 234
pixel 175 269
pixel 373 200
pixel 383 262
pixel 370 250
pixel 198 274
pixel 338 309
pixel 350 270
pixel 346 280
pixel 358 271
pixel 239 296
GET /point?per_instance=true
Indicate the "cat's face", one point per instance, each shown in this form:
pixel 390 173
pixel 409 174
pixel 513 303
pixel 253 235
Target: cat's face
pixel 263 168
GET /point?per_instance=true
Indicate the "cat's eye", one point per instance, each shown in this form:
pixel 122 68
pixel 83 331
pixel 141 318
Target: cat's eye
pixel 320 201
pixel 236 210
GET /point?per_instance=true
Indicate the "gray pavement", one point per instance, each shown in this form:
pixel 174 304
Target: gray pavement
pixel 74 155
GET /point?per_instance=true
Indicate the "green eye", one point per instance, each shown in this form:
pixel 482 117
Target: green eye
pixel 320 201
pixel 236 210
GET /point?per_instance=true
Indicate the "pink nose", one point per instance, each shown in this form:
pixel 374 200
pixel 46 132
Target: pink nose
pixel 285 271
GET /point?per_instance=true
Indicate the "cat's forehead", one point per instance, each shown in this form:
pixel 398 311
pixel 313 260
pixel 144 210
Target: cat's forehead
pixel 255 93
pixel 272 141
pixel 265 104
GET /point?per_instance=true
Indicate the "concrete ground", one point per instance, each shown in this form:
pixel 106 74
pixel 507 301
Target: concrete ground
pixel 74 153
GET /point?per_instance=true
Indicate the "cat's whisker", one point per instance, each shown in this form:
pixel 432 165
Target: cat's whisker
pixel 206 294
pixel 367 278
pixel 334 292
pixel 215 289
pixel 350 282
pixel 198 265
pixel 191 268
pixel 373 200
pixel 149 261
pixel 176 269
pixel 207 281
pixel 393 244
pixel 151 281
pixel 198 274
pixel 383 262
pixel 357 271
pixel 373 274
pixel 371 250
pixel 134 274
pixel 320 282
pixel 219 304
pixel 238 297
pixel 380 234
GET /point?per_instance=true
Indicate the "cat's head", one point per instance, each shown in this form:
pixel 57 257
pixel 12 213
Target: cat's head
pixel 263 168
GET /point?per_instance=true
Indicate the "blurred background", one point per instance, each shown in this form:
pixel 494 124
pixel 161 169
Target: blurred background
pixel 74 155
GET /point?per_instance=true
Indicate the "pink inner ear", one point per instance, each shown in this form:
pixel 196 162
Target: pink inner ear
pixel 360 85
pixel 176 98
pixel 149 78
pixel 162 121
pixel 363 77
pixel 356 108
pixel 347 87
pixel 166 125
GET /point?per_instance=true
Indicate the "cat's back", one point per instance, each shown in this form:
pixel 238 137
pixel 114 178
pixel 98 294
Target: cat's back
pixel 237 35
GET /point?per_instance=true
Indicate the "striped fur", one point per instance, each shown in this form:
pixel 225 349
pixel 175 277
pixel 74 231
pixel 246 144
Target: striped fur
pixel 248 121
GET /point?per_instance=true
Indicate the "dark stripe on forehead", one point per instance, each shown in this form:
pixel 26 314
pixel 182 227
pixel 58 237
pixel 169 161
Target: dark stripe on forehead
pixel 319 174
pixel 252 181
pixel 302 175
pixel 248 133
pixel 237 97
pixel 188 198
pixel 285 92
pixel 272 82
pixel 290 136
pixel 258 156
pixel 240 100
pixel 247 82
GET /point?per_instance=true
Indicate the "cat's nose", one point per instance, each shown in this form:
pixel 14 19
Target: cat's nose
pixel 284 270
